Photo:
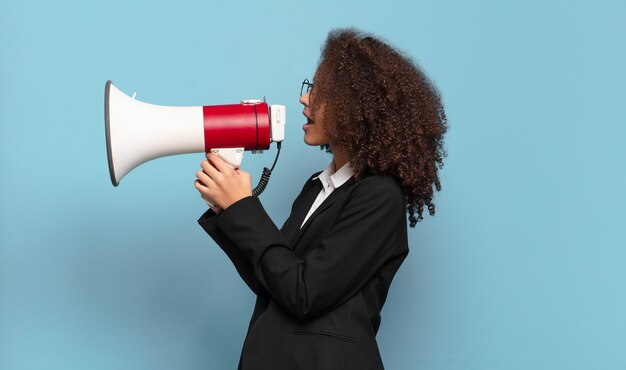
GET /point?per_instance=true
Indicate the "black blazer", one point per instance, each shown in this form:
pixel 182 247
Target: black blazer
pixel 320 288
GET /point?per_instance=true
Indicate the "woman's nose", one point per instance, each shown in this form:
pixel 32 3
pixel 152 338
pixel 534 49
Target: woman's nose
pixel 304 99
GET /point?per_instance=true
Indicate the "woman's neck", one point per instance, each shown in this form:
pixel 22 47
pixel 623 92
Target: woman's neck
pixel 340 158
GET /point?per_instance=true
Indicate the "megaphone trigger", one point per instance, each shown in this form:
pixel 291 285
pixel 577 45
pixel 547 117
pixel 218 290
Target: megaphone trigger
pixel 232 156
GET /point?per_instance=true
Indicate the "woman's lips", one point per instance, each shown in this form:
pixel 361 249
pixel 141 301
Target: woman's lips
pixel 309 122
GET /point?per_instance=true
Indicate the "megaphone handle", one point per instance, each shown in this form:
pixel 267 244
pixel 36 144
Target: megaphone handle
pixel 232 157
pixel 236 154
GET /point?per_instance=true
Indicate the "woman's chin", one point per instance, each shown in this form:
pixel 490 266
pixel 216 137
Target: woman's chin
pixel 312 141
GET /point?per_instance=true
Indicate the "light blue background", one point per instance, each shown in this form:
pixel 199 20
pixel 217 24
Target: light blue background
pixel 524 266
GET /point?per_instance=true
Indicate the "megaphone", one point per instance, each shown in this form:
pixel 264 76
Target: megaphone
pixel 137 132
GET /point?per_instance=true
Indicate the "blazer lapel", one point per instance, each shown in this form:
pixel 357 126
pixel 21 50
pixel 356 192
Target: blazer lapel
pixel 324 206
pixel 301 207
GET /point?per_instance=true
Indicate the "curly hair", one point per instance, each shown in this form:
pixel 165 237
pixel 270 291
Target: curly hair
pixel 384 112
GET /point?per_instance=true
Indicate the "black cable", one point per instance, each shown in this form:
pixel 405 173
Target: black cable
pixel 265 176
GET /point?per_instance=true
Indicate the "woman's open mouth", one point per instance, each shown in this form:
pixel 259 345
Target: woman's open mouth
pixel 309 121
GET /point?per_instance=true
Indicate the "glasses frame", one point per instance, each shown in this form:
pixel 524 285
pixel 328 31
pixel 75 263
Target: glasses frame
pixel 309 87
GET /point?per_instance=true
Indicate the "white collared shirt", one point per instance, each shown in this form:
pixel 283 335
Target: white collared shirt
pixel 330 181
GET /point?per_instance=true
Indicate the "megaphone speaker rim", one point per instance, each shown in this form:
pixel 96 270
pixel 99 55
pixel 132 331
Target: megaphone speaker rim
pixel 107 90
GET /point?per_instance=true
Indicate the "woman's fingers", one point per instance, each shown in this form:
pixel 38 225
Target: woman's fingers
pixel 206 180
pixel 223 167
pixel 202 189
pixel 220 183
pixel 209 170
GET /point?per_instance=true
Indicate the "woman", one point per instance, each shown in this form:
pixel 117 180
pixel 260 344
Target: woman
pixel 322 279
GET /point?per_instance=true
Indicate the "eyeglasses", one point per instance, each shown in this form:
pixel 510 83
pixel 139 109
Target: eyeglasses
pixel 306 87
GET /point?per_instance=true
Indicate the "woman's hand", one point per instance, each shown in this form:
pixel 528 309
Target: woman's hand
pixel 220 184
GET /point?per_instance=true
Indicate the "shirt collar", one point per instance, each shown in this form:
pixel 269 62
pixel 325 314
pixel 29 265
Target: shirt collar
pixel 335 180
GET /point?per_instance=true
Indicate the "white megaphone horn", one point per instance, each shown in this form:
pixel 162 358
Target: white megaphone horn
pixel 137 132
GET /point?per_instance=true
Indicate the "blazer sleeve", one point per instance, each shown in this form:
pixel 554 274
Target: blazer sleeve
pixel 208 221
pixel 369 232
